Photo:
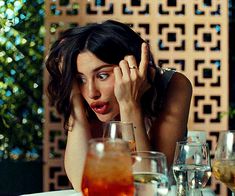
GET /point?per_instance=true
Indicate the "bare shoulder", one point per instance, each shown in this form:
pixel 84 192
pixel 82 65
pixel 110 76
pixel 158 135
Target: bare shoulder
pixel 179 82
pixel 171 125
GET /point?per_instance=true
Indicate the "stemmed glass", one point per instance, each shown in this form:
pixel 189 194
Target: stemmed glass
pixel 191 167
pixel 150 173
pixel 122 130
pixel 108 168
pixel 223 167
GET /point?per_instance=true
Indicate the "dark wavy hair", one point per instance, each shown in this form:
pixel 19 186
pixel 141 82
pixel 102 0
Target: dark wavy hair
pixel 109 41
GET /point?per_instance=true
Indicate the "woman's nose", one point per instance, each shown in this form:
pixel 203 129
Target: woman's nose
pixel 93 91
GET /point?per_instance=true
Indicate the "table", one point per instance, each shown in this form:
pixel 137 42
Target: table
pixel 70 192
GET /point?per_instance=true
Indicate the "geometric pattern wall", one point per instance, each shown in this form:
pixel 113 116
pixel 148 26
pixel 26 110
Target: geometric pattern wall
pixel 189 36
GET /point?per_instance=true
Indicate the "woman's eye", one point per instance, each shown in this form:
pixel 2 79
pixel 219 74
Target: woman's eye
pixel 103 76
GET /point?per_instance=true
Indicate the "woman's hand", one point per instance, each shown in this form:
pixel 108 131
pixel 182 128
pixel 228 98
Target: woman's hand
pixel 131 79
pixel 78 111
pixel 130 84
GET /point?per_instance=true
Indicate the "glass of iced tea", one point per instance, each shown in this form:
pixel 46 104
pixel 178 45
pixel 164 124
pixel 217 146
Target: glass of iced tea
pixel 108 168
pixel 150 173
pixel 122 130
pixel 223 167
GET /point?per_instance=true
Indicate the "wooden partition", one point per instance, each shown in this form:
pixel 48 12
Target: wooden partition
pixel 189 36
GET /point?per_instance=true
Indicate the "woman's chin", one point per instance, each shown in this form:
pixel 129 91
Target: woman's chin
pixel 107 118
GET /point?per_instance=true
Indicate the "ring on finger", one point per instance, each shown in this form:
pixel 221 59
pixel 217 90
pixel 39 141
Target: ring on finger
pixel 133 67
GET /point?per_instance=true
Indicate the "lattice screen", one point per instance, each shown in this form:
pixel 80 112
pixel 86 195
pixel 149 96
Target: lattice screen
pixel 188 35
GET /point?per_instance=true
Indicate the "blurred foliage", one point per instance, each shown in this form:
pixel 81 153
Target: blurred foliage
pixel 230 113
pixel 21 72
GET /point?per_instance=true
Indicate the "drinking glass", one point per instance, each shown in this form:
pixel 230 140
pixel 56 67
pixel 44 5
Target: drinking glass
pixel 191 167
pixel 122 130
pixel 223 166
pixel 150 173
pixel 108 168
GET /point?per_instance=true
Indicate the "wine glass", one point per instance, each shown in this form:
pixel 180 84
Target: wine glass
pixel 150 173
pixel 122 130
pixel 223 167
pixel 191 167
pixel 108 168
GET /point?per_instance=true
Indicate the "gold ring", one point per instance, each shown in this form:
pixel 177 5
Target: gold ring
pixel 132 67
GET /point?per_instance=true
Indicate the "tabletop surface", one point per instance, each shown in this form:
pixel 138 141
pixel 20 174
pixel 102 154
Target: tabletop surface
pixel 56 193
pixel 70 192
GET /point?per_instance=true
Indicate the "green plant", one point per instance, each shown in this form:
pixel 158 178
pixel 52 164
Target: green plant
pixel 21 69
pixel 230 113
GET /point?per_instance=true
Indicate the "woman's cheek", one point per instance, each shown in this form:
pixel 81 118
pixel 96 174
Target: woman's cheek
pixel 107 88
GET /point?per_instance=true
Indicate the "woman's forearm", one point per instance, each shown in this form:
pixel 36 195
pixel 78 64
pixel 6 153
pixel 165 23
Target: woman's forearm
pixel 75 153
pixel 133 114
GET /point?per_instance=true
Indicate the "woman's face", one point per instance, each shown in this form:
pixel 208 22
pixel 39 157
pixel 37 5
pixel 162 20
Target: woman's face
pixel 96 82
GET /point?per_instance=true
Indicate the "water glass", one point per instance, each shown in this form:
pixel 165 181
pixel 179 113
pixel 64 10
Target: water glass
pixel 150 173
pixel 191 167
pixel 122 130
pixel 108 169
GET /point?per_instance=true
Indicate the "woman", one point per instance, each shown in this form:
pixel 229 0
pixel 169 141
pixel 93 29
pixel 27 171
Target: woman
pixel 103 72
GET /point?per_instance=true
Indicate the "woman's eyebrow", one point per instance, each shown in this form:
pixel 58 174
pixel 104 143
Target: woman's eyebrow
pixel 103 66
pixel 98 68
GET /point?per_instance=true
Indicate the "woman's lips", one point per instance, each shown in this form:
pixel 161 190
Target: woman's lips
pixel 99 107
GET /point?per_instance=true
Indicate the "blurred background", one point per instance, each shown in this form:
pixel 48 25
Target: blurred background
pixel 22 34
pixel 31 136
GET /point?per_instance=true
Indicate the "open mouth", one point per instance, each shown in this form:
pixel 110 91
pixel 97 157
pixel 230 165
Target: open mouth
pixel 100 108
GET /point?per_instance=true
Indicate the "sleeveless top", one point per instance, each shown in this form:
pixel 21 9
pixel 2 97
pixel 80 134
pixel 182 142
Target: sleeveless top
pixel 161 85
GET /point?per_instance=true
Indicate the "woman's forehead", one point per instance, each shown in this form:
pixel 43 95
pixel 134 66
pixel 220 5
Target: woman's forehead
pixel 87 61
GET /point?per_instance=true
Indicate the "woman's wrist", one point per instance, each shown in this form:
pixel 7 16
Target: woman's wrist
pixel 129 110
pixel 78 124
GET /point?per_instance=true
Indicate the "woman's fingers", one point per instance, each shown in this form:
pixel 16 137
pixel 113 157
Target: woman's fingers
pixel 128 67
pixel 75 89
pixel 132 66
pixel 130 78
pixel 117 73
pixel 125 69
pixel 144 60
pixel 131 61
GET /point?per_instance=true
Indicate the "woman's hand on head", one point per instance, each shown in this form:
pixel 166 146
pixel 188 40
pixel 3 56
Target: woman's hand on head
pixel 75 94
pixel 76 98
pixel 131 79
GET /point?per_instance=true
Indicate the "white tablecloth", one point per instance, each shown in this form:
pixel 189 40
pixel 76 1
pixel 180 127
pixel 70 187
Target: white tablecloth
pixel 206 192
pixel 56 193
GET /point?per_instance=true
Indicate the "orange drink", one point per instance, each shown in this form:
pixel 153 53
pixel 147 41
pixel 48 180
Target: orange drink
pixel 108 169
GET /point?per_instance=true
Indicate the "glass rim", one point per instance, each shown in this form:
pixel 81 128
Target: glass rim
pixel 227 131
pixel 104 139
pixel 193 143
pixel 120 122
pixel 153 154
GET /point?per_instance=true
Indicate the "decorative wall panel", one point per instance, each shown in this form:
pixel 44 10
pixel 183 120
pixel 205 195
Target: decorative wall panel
pixel 189 36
